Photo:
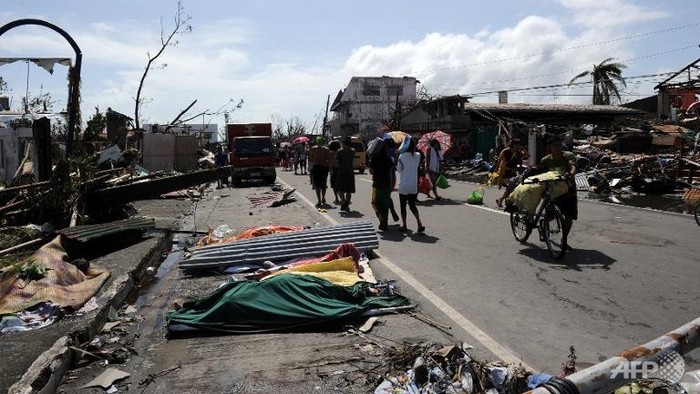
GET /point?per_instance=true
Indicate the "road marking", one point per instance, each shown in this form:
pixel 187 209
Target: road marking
pixel 366 180
pixel 486 340
pixel 471 328
pixel 488 209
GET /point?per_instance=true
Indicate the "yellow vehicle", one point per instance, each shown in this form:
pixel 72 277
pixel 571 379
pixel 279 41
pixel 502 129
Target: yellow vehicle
pixel 360 162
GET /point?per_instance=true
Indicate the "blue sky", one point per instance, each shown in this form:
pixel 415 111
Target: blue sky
pixel 283 58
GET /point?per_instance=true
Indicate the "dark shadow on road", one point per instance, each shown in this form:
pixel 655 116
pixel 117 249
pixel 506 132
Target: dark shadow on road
pixel 351 214
pixel 394 234
pixel 576 259
pixel 443 201
pixel 423 238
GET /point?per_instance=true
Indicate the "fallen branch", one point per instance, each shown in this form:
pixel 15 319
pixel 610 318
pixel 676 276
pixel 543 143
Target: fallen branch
pixel 184 111
pixel 21 246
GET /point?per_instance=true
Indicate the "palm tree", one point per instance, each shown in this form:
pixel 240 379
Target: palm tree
pixel 606 77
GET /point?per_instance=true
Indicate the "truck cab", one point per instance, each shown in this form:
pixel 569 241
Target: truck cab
pixel 251 153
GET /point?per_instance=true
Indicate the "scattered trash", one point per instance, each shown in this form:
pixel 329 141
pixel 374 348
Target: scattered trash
pixel 476 197
pixel 437 368
pixel 152 377
pixel 107 378
pixel 367 326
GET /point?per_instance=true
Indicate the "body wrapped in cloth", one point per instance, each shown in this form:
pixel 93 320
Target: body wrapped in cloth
pixel 527 196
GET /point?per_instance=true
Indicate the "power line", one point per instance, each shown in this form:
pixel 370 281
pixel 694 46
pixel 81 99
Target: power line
pixel 581 69
pixel 635 36
pixel 634 77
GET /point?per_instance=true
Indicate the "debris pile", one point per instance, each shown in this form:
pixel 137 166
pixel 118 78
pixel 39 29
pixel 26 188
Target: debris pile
pixel 435 368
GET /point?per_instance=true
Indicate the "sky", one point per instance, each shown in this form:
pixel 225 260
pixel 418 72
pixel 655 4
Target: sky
pixel 284 58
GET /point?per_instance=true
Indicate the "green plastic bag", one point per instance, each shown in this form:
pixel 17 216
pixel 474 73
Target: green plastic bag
pixel 477 196
pixel 442 182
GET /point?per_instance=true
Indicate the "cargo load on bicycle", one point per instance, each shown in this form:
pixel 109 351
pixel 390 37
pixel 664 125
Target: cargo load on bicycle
pixel 527 196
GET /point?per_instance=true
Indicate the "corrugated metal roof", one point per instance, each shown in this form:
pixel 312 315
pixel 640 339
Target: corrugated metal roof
pixel 517 108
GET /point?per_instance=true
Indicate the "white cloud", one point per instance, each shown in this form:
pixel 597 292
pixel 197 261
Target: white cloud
pixel 610 13
pixel 506 58
pixel 217 62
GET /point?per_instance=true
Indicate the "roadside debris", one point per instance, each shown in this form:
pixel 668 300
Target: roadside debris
pixel 275 248
pixel 223 234
pixel 272 199
pixel 450 369
pixel 144 383
pixel 107 378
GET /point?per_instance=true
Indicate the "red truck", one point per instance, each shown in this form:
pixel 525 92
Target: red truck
pixel 251 152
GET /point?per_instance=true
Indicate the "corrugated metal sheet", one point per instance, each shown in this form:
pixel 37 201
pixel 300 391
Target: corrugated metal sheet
pixel 89 232
pixel 582 181
pixel 283 247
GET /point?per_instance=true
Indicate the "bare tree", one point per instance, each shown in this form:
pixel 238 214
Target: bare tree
pixel 181 26
pixel 287 129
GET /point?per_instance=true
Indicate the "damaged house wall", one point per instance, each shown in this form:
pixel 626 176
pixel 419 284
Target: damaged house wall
pixel 12 145
pixel 169 152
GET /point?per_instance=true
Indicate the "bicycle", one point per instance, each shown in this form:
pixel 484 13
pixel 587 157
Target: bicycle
pixel 549 221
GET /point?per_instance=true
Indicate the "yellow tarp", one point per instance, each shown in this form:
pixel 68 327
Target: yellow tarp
pixel 527 196
pixel 340 272
pixel 64 284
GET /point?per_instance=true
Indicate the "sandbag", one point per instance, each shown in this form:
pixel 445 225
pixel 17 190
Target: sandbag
pixel 442 182
pixel 527 196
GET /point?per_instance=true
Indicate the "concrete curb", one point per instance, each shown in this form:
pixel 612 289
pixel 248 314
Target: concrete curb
pixel 47 371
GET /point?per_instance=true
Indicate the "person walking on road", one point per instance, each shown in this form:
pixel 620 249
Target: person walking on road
pixel 345 180
pixel 333 146
pixel 220 160
pixel 434 158
pixel 408 166
pixel 303 152
pixel 381 166
pixel 391 153
pixel 319 155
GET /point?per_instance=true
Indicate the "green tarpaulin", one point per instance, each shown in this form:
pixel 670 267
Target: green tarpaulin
pixel 280 303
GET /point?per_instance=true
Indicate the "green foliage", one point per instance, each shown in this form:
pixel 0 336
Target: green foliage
pixel 95 125
pixel 31 270
pixel 55 204
pixel 12 236
pixel 606 77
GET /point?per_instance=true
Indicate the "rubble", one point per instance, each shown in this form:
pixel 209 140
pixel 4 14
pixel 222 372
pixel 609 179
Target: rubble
pixel 660 159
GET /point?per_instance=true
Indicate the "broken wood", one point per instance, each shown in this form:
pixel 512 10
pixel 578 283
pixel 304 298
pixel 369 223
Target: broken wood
pixel 367 327
pixel 21 246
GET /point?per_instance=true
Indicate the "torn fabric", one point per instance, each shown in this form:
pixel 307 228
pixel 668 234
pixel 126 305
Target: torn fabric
pixel 47 63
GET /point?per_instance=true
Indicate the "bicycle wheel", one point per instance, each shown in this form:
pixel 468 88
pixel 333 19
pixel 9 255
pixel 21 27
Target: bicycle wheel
pixel 697 213
pixel 520 224
pixel 554 232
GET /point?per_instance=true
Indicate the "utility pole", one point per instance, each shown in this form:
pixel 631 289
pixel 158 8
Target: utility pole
pixel 397 112
pixel 325 118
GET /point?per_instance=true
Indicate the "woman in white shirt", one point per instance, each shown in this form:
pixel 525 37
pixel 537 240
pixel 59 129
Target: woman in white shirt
pixel 408 165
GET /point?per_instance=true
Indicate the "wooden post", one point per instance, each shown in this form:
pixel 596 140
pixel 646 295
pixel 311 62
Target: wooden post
pixel 41 133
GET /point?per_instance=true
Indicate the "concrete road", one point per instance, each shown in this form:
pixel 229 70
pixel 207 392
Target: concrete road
pixel 633 275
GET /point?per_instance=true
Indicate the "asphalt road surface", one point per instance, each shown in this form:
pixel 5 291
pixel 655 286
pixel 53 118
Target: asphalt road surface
pixel 633 275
